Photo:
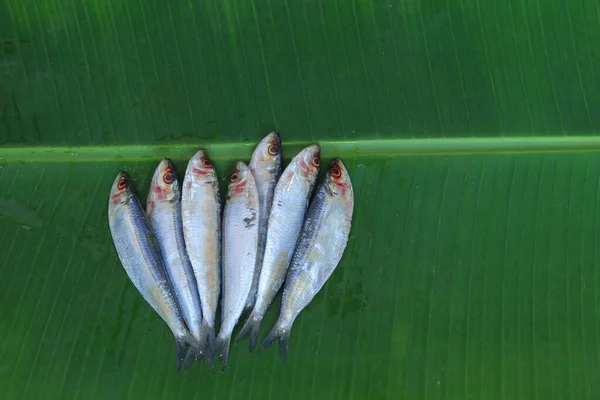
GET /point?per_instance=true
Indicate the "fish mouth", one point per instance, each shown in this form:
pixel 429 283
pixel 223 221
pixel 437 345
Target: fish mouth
pixel 274 138
pixel 120 175
pixel 239 166
pixel 316 150
pixel 337 162
pixel 197 167
pixel 167 163
pixel 200 154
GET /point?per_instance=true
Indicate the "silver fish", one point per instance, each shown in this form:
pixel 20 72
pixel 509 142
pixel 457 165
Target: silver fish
pixel 320 248
pixel 163 207
pixel 266 169
pixel 201 215
pixel 240 242
pixel 290 203
pixel 140 256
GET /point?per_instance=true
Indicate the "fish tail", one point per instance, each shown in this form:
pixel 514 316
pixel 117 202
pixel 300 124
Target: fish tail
pixel 206 347
pixel 251 329
pixel 182 354
pixel 278 333
pixel 222 346
pixel 196 353
pixel 189 358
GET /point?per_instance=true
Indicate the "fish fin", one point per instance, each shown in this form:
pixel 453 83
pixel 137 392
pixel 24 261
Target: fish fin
pixel 189 358
pixel 206 346
pixel 284 341
pixel 180 345
pixel 223 344
pixel 251 329
pixel 183 356
pixel 281 334
pixel 196 353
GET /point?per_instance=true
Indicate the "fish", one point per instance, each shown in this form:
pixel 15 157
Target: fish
pixel 266 168
pixel 322 243
pixel 140 256
pixel 201 216
pixel 163 207
pixel 290 203
pixel 239 247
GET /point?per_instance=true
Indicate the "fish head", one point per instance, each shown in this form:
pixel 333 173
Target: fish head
pixel 120 192
pixel 267 155
pixel 165 186
pixel 202 168
pixel 309 160
pixel 338 181
pixel 239 179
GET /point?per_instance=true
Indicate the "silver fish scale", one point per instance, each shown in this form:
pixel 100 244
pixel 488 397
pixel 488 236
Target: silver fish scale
pixel 201 215
pixel 320 248
pixel 141 259
pixel 266 180
pixel 285 223
pixel 165 219
pixel 240 241
pixel 240 230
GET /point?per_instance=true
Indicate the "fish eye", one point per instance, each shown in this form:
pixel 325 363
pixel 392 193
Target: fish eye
pixel 316 161
pixel 122 183
pixel 206 163
pixel 335 172
pixel 168 176
pixel 273 150
pixel 234 177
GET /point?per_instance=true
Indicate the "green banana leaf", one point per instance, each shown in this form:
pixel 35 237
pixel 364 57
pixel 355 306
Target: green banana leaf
pixel 469 129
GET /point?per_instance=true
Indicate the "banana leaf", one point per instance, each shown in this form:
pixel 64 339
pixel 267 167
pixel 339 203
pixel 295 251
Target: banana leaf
pixel 470 132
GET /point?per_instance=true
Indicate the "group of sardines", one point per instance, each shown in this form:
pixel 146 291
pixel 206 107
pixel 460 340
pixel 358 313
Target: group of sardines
pixel 184 252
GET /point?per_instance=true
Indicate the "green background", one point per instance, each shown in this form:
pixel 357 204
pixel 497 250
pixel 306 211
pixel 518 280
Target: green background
pixel 469 129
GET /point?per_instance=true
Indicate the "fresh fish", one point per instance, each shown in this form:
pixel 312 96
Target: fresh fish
pixel 163 207
pixel 322 242
pixel 266 169
pixel 290 202
pixel 201 215
pixel 140 256
pixel 240 242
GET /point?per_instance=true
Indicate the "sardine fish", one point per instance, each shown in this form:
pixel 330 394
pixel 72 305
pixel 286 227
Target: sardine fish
pixel 290 203
pixel 201 216
pixel 140 256
pixel 321 246
pixel 163 207
pixel 239 246
pixel 266 169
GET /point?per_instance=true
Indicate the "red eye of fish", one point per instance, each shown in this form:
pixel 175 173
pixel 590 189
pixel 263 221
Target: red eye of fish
pixel 168 176
pixel 206 163
pixel 234 177
pixel 273 150
pixel 316 162
pixel 122 183
pixel 335 172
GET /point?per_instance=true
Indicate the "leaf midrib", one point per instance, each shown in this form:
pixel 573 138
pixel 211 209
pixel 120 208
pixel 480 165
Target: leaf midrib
pixel 346 148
